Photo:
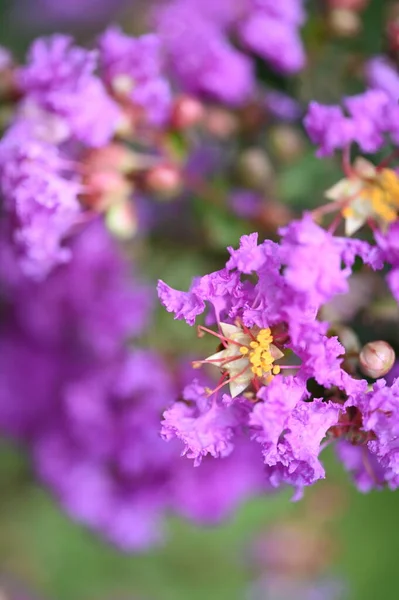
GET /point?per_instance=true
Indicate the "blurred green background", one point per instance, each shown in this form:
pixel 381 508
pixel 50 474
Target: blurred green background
pixel 40 545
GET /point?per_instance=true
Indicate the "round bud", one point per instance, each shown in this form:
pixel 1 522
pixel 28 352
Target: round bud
pixel 114 157
pixel 220 122
pixel 254 168
pixel 287 142
pixel 376 359
pixel 274 215
pixel 105 188
pixel 187 112
pixel 121 220
pixel 344 22
pixel 164 180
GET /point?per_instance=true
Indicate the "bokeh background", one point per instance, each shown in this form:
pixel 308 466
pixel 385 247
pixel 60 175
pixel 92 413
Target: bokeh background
pixel 41 549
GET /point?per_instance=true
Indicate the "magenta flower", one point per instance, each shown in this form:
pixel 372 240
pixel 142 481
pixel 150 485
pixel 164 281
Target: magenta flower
pixel 265 303
pixel 132 67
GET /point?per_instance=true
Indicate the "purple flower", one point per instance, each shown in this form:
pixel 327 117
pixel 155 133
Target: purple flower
pixel 102 307
pixel 282 106
pixel 200 494
pixel 362 464
pixel 202 59
pixel 246 204
pixel 266 302
pixel 274 40
pixel 371 116
pixel 40 200
pixel 388 244
pixel 378 435
pixel 133 67
pixel 382 75
pixel 328 128
pixel 290 432
pixel 291 285
pixel 59 78
pixel 306 249
pixel 197 40
pixel 204 425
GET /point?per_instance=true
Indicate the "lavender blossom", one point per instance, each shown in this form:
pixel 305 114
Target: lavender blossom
pixel 259 321
pixel 132 68
pixel 196 37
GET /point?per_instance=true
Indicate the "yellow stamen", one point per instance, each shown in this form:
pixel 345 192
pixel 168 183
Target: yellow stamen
pixel 260 356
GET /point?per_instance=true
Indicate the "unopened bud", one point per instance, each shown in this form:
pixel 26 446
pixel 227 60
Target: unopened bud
pixel 376 359
pixel 115 157
pixel 164 180
pixel 187 112
pixel 220 122
pixel 344 22
pixel 105 188
pixel 287 142
pixel 274 215
pixel 254 168
pixel 121 220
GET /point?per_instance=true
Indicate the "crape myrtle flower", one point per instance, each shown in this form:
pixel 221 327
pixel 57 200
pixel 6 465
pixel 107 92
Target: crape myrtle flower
pixel 63 109
pixel 59 77
pixel 83 313
pixel 389 244
pixel 202 58
pixel 60 163
pixel 368 192
pixel 132 68
pixel 381 74
pixel 40 199
pixel 89 411
pixel 265 304
pixel 272 32
pixel 365 119
pixel 371 451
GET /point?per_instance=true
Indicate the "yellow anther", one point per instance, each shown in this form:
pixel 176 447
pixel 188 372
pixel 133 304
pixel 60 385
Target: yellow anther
pixel 254 344
pixel 276 370
pixel 244 350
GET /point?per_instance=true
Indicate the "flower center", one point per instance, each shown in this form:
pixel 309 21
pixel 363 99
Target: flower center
pixel 248 356
pixel 260 355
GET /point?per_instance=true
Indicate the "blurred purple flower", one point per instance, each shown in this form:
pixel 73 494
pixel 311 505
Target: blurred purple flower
pixel 282 106
pixel 197 40
pixel 134 65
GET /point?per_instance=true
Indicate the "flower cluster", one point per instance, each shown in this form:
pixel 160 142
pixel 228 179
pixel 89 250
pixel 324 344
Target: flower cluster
pixel 265 303
pixel 72 102
pixel 89 413
pixel 202 58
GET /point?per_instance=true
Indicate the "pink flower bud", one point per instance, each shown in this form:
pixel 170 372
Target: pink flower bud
pixel 220 122
pixel 376 359
pixel 164 180
pixel 114 157
pixel 187 112
pixel 106 188
pixel 356 5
